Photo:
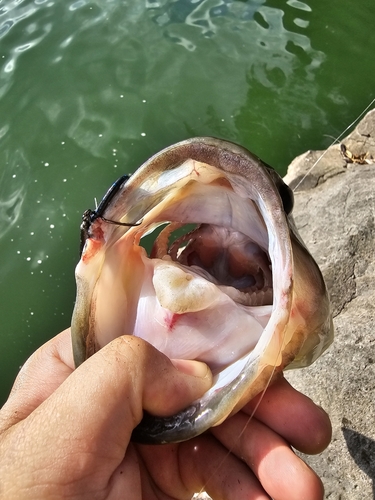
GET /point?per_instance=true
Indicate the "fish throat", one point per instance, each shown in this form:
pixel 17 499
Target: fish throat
pixel 224 257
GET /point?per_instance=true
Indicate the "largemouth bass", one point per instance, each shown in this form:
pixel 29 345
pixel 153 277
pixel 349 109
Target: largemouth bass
pixel 238 291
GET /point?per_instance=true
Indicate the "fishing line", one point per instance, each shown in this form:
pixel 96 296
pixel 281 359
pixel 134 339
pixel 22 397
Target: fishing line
pixel 336 141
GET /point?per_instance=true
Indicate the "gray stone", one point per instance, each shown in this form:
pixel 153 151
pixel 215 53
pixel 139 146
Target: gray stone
pixel 335 213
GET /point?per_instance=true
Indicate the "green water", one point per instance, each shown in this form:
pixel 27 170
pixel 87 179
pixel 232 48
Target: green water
pixel 90 89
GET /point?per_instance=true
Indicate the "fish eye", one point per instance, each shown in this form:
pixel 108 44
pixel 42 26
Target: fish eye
pixel 287 197
pixel 286 194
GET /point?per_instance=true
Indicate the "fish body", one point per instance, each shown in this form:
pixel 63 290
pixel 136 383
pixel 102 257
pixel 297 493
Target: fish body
pixel 238 291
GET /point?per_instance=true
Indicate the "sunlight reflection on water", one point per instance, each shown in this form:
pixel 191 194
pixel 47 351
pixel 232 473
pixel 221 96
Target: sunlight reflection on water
pixel 183 21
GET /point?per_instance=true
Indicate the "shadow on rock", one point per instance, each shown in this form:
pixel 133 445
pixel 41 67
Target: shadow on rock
pixel 362 450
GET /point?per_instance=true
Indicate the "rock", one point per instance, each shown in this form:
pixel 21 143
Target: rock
pixel 335 213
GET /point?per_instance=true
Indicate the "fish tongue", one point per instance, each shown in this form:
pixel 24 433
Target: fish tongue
pixel 186 316
pixel 180 291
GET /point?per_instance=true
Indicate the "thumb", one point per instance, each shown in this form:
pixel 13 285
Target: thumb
pixel 149 379
pixel 82 430
pixel 103 400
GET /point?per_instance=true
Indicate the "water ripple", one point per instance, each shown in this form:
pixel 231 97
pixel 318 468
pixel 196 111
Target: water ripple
pixel 299 5
pixel 185 23
pixel 18 14
pixel 13 182
pixel 5 27
pixel 13 13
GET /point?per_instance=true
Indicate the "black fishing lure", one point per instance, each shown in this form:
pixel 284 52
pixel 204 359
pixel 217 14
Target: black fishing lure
pixel 89 216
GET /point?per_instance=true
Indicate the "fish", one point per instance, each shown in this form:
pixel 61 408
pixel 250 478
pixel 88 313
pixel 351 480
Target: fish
pixel 227 281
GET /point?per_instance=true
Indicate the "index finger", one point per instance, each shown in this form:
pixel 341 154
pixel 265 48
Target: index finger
pixel 39 377
pixel 293 416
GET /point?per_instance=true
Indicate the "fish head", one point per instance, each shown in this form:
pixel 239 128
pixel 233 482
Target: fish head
pixel 228 280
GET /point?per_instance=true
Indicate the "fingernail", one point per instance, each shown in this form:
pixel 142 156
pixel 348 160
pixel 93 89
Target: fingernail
pixel 190 367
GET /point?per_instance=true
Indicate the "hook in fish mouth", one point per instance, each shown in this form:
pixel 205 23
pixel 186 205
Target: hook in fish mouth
pixel 236 288
pixel 90 216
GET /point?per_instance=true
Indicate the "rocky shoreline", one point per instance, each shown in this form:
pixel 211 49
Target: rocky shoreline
pixel 335 213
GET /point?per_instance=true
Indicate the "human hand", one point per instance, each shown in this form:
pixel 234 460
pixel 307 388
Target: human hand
pixel 65 433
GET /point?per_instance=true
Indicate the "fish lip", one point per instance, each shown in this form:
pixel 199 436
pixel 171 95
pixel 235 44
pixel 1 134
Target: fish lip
pixel 221 153
pixel 195 418
pixel 176 428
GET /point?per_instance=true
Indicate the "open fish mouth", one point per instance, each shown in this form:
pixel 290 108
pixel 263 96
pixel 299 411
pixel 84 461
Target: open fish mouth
pixel 228 280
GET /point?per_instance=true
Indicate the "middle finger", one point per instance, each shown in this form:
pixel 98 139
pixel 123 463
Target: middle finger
pixel 282 474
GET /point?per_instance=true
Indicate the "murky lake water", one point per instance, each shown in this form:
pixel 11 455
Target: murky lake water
pixel 90 89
